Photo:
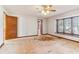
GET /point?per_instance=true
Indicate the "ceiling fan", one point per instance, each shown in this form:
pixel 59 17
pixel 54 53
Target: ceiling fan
pixel 46 9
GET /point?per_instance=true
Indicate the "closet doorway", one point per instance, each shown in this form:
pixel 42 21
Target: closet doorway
pixel 40 27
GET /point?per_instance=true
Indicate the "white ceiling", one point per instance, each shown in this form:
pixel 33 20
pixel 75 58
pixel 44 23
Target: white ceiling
pixel 33 11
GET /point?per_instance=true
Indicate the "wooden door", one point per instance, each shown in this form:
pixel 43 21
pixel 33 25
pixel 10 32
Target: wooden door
pixel 11 27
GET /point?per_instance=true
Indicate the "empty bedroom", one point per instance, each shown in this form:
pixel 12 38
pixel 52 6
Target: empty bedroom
pixel 39 29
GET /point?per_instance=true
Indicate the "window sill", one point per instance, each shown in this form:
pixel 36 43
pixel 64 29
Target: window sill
pixel 68 36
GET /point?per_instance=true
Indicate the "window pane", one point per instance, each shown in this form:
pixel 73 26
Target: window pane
pixel 60 25
pixel 67 25
pixel 75 25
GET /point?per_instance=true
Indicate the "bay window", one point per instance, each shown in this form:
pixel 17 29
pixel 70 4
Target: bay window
pixel 68 25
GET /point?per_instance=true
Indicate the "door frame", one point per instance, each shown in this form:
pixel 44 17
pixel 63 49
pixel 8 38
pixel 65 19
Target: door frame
pixel 41 28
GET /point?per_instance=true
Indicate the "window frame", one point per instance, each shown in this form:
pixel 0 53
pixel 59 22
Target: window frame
pixel 64 25
pixel 58 26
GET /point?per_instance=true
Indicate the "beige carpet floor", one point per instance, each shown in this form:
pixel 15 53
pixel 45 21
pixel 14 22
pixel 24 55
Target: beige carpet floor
pixel 31 45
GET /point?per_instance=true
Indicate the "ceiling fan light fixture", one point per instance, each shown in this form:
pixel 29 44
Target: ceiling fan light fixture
pixel 45 12
pixel 46 9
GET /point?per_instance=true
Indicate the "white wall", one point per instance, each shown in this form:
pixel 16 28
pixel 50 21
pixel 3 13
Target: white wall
pixel 45 26
pixel 1 25
pixel 51 25
pixel 68 14
pixel 27 25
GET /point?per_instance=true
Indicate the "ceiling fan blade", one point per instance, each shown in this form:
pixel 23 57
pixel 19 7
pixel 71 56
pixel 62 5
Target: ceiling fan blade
pixel 53 10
